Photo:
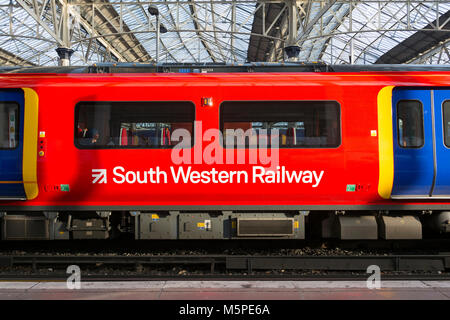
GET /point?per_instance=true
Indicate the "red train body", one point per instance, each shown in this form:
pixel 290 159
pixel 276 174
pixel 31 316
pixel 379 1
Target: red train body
pixel 346 177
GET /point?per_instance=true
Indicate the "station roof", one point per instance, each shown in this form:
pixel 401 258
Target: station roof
pixel 224 31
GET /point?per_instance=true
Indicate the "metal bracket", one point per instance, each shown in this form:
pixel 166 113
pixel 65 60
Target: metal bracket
pixel 51 215
pixel 103 214
pixel 135 213
pixel 381 213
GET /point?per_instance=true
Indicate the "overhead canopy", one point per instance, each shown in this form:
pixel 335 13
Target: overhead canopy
pixel 224 31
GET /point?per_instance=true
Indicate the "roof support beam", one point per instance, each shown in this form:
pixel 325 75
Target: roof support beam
pixel 32 12
pixel 437 55
pixel 83 16
pixel 197 28
pixel 60 31
pixel 8 58
pixel 420 42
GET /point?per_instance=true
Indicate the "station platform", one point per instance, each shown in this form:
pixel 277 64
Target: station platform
pixel 225 290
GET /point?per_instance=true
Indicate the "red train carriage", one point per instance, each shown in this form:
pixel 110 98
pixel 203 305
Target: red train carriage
pixel 360 155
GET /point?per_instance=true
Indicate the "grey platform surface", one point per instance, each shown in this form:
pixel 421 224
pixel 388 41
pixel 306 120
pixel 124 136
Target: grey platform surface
pixel 225 290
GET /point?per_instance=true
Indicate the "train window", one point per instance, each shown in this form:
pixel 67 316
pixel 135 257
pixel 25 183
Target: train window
pixel 410 124
pixel 295 124
pixel 9 125
pixel 446 112
pixel 114 125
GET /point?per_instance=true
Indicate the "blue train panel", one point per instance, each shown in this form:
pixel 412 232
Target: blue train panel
pixel 442 125
pixel 11 143
pixel 413 143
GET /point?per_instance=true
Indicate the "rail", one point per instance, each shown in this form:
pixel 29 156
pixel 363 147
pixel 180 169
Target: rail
pixel 435 262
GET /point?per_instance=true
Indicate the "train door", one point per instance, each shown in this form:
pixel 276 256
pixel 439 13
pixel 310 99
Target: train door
pixel 441 101
pixel 11 146
pixel 413 143
pixel 421 122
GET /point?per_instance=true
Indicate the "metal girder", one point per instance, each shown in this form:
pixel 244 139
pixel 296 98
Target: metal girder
pixel 58 19
pixel 10 59
pixel 105 19
pixel 88 24
pixel 439 54
pixel 219 41
pixel 267 22
pixel 343 31
pixel 336 31
pixel 193 10
pixel 182 41
pixel 370 29
pixel 33 9
pixel 419 43
pixel 308 24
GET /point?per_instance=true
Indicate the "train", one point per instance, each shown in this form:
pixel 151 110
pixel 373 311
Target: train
pixel 282 151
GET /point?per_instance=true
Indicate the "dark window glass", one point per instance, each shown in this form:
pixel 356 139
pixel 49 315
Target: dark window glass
pixel 446 112
pixel 295 124
pixel 410 124
pixel 132 124
pixel 9 125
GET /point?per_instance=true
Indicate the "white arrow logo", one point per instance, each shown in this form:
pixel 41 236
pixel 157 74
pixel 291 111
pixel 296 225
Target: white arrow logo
pixel 99 176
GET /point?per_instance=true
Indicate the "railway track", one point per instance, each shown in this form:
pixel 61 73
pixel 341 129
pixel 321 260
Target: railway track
pixel 225 260
pixel 248 263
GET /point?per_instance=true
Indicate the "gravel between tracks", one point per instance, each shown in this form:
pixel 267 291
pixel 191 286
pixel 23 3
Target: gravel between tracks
pixel 179 252
pixel 190 270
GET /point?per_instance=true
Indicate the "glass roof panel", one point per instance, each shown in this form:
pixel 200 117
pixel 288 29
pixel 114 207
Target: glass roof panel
pixel 374 28
pixel 206 31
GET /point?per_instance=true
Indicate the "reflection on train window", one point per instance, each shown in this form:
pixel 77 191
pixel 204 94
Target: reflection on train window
pixel 410 124
pixel 9 125
pixel 291 124
pixel 132 124
pixel 446 112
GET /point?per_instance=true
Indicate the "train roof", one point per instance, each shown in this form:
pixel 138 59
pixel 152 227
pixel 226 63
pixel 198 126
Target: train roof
pixel 224 68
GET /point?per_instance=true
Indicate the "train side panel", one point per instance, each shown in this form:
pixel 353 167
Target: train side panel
pixel 348 173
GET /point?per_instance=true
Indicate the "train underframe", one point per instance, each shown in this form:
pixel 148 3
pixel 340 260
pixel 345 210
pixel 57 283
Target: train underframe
pixel 198 225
